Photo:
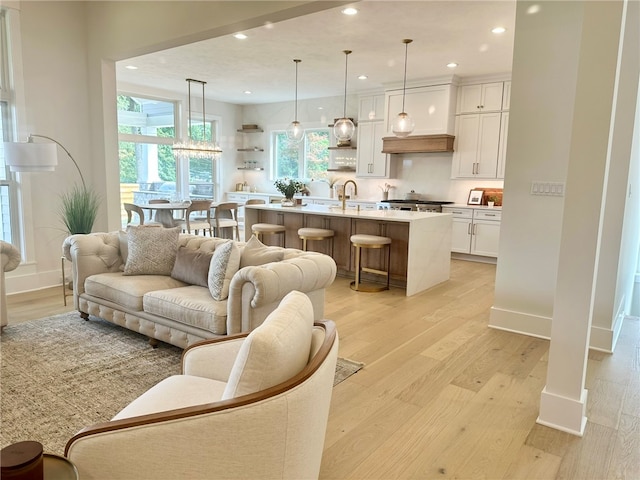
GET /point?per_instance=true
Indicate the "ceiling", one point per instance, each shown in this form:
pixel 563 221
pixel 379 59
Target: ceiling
pixel 442 32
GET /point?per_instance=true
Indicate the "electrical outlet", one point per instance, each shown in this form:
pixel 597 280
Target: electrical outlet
pixel 553 189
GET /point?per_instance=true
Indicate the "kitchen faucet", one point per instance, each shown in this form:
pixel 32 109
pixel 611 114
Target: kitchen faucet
pixel 344 192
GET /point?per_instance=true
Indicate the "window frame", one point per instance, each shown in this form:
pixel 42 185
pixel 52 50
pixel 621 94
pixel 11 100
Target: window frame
pixel 302 149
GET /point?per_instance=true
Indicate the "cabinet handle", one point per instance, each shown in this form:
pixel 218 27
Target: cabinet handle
pixel 475 228
pixel 489 214
pixel 469 229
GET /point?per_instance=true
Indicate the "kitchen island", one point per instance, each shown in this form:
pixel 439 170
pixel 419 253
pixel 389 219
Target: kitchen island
pixel 420 248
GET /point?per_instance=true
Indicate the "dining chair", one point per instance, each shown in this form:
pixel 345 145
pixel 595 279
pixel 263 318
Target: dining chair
pixel 226 216
pixel 130 208
pixel 200 220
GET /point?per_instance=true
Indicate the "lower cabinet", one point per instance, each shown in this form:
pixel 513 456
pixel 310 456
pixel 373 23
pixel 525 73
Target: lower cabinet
pixel 475 231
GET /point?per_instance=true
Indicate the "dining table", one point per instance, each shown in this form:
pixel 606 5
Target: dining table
pixel 164 213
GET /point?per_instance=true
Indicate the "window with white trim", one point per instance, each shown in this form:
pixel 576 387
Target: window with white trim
pixel 308 159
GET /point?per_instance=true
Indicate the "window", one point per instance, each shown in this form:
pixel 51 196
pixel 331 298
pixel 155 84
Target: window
pixel 307 159
pixel 148 168
pixel 8 187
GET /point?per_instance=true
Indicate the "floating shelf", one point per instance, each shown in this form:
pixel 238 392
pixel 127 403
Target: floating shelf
pixel 257 169
pixel 251 149
pixel 349 169
pixel 250 130
pixel 350 147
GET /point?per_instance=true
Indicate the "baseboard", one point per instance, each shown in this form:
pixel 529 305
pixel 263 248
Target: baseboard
pixel 562 413
pixel 520 322
pixel 26 280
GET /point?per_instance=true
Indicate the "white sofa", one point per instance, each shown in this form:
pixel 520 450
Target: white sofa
pixel 177 311
pixel 249 406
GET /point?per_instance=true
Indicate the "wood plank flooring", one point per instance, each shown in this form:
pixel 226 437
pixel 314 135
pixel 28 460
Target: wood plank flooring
pixel 444 396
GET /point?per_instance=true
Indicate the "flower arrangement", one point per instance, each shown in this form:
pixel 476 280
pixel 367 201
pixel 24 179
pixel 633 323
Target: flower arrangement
pixel 288 187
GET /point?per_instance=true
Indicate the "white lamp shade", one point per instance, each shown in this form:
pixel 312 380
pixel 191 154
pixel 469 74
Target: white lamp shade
pixel 30 157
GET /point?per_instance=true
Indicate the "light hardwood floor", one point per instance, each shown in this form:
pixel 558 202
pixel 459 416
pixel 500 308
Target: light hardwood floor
pixel 444 396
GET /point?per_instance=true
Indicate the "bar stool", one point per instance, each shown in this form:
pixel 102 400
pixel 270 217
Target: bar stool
pixel 308 233
pixel 269 229
pixel 360 241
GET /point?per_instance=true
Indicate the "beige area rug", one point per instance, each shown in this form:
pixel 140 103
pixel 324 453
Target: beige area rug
pixel 61 374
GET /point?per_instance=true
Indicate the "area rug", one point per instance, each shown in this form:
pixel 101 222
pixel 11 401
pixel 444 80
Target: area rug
pixel 61 374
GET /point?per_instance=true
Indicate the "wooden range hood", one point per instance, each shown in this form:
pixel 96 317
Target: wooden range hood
pixel 418 144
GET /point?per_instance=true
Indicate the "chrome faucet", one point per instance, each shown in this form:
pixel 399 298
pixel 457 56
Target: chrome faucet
pixel 344 192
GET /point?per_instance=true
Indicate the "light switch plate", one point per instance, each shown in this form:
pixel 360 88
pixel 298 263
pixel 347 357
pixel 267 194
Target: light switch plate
pixel 553 189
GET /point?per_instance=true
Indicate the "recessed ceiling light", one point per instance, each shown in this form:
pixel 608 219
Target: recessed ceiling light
pixel 498 30
pixel 240 36
pixel 320 108
pixel 248 92
pixel 533 9
pixel 131 67
pixel 452 65
pixel 350 11
pixel 362 77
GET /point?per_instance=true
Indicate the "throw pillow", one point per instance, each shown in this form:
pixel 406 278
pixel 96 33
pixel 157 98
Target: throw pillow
pixel 257 253
pixel 152 250
pixel 276 350
pixel 225 262
pixel 192 266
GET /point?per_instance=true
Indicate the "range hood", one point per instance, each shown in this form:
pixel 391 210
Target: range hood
pixel 418 144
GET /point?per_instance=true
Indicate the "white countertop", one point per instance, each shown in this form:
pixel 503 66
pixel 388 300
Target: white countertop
pixel 387 215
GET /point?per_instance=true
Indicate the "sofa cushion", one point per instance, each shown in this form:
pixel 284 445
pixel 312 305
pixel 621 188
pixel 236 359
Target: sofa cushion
pixel 257 253
pixel 152 250
pixel 190 305
pixel 224 265
pixel 276 350
pixel 192 266
pixel 127 291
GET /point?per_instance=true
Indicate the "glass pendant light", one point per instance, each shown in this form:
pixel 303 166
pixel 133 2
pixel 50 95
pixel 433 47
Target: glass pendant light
pixel 295 132
pixel 403 124
pixel 344 128
pixel 195 148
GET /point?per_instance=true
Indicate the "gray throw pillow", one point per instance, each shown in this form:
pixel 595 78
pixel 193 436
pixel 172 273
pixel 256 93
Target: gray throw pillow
pixel 192 266
pixel 225 262
pixel 152 250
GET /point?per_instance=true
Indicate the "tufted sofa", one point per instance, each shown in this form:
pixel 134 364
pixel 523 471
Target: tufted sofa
pixel 10 257
pixel 171 308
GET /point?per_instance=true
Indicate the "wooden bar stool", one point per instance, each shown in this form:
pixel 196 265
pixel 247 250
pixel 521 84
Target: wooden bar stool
pixel 259 229
pixel 308 233
pixel 360 241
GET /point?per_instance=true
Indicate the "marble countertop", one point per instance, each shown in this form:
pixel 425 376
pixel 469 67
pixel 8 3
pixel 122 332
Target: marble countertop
pixel 387 215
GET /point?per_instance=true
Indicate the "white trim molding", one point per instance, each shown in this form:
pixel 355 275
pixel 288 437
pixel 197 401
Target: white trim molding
pixel 562 413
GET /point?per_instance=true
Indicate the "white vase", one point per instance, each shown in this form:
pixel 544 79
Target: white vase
pixel 385 195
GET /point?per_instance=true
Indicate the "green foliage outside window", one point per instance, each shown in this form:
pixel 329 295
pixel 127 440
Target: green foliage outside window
pixel 308 159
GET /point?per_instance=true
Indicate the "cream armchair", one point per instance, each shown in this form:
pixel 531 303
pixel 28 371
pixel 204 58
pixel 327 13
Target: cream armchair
pixel 10 257
pixel 248 406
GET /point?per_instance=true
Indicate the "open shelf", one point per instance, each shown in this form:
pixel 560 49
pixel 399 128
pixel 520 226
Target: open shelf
pixel 251 149
pixel 257 169
pixel 250 130
pixel 350 169
pixel 350 147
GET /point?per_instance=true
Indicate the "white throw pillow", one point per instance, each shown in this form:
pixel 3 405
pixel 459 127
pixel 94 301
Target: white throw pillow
pixel 275 351
pixel 257 253
pixel 225 262
pixel 152 250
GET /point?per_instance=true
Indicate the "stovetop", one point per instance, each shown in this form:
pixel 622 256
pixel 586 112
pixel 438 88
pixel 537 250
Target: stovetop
pixel 419 202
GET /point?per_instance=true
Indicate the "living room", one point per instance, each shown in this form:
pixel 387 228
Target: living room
pixel 540 238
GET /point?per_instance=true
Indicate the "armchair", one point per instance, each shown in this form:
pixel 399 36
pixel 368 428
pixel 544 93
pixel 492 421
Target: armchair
pixel 252 406
pixel 11 258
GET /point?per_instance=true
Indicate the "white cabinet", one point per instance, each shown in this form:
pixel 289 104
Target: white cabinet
pixel 502 150
pixel 475 231
pixel 371 107
pixel 371 163
pixel 432 109
pixel 506 96
pixel 485 97
pixel 476 146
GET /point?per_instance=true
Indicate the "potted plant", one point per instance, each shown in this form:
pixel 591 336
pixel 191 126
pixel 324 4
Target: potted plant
pixel 288 188
pixel 79 209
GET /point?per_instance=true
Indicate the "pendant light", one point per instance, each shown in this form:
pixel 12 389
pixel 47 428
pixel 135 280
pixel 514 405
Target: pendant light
pixel 344 128
pixel 403 124
pixel 195 148
pixel 295 132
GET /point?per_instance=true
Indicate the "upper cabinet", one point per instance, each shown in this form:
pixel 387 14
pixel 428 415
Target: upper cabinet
pixel 371 108
pixel 432 109
pixel 481 98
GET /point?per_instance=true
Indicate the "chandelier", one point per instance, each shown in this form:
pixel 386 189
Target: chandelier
pixel 196 148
